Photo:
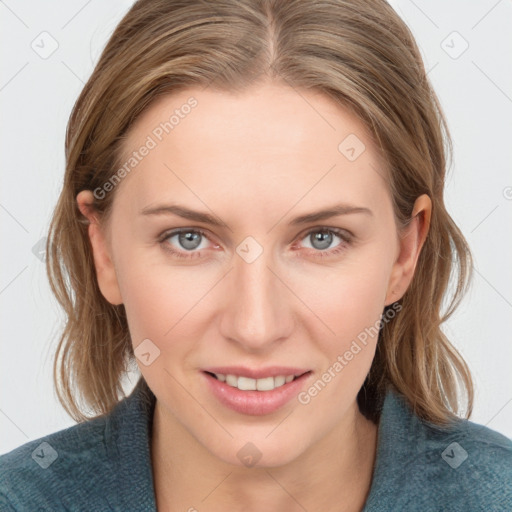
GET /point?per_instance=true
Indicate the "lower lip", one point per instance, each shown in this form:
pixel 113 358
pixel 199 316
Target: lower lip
pixel 255 403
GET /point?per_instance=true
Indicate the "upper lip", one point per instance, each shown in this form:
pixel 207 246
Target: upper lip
pixel 257 373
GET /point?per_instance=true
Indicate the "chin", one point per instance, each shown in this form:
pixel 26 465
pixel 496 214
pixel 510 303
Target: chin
pixel 258 452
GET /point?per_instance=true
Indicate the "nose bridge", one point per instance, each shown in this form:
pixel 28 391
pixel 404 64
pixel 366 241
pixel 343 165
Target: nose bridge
pixel 256 312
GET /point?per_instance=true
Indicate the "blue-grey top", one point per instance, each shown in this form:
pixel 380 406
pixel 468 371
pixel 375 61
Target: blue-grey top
pixel 104 464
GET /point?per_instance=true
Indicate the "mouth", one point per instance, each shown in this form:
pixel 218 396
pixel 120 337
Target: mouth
pixel 255 392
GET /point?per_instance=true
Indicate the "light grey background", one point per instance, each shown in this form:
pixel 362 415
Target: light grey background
pixel 38 90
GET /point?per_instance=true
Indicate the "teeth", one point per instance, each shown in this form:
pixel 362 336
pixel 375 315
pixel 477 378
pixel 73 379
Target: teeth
pixel 248 384
pixel 279 381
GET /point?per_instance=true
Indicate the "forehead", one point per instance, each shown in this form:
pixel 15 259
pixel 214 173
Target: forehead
pixel 270 142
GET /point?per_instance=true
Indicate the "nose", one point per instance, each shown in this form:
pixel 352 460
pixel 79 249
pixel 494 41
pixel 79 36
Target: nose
pixel 257 312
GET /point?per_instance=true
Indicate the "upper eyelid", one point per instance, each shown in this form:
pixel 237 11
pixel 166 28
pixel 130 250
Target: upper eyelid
pixel 173 232
pixel 343 233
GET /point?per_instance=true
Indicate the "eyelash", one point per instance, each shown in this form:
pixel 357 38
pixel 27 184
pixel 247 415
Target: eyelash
pixel 346 240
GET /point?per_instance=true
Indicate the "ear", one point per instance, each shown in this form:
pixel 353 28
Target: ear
pixel 105 271
pixel 411 242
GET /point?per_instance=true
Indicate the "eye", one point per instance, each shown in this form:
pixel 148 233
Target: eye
pixel 321 239
pixel 186 241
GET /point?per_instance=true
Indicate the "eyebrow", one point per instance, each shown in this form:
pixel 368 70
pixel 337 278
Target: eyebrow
pixel 206 218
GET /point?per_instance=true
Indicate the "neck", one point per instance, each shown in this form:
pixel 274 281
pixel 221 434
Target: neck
pixel 333 474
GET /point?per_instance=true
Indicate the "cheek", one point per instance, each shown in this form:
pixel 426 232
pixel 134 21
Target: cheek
pixel 348 298
pixel 350 307
pixel 357 303
pixel 156 296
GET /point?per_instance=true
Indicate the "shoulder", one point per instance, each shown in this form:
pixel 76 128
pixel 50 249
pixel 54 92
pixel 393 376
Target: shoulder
pixel 462 467
pixel 471 465
pixel 101 464
pixel 70 462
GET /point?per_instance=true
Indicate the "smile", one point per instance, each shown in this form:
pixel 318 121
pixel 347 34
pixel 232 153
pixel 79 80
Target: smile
pixel 255 392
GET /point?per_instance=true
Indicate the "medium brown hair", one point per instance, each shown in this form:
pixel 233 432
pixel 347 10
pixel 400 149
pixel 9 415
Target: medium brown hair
pixel 361 55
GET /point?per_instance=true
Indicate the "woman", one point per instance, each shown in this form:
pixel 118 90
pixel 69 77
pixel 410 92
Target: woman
pixel 253 213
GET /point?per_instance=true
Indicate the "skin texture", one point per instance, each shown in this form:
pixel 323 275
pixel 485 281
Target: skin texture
pixel 255 160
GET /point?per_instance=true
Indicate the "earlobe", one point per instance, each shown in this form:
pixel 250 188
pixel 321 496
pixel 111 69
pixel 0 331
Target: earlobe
pixel 411 243
pixel 105 270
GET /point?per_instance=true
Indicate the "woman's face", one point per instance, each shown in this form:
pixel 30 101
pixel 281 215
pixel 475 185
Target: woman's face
pixel 259 280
